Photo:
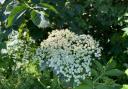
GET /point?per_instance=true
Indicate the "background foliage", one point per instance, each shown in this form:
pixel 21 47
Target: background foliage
pixel 105 20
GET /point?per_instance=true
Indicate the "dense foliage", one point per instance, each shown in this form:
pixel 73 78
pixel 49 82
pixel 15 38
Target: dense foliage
pixel 63 44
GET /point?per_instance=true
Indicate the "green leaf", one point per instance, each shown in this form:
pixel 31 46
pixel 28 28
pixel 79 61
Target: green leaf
pixel 50 7
pixel 94 73
pixel 125 30
pixel 39 19
pixel 111 64
pixel 126 14
pixel 114 72
pixel 103 86
pixel 2 1
pixel 87 84
pixel 126 21
pixel 16 13
pixel 125 86
pixel 83 87
pixel 99 66
pixel 126 72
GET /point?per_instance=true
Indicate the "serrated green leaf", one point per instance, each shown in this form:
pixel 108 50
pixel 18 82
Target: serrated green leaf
pixel 39 19
pixel 111 64
pixel 16 13
pixel 114 72
pixel 99 66
pixel 50 7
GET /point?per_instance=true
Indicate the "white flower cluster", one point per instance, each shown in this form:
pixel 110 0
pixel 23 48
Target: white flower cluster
pixel 69 55
pixel 19 48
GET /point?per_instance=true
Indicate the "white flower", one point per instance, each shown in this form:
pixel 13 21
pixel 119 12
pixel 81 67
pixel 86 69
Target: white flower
pixel 69 55
pixel 19 48
pixel 3 51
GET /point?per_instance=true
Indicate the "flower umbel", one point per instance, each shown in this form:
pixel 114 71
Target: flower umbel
pixel 69 55
pixel 19 48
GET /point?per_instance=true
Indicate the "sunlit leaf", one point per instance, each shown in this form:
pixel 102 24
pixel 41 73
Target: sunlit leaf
pixel 126 21
pixel 111 64
pixel 126 14
pixel 2 1
pixel 39 19
pixel 50 7
pixel 16 13
pixel 125 30
pixel 125 86
pixel 126 72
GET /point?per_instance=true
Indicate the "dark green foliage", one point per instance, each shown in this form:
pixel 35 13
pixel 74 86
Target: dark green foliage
pixel 105 20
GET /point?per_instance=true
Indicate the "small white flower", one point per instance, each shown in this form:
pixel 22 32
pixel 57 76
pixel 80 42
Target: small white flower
pixel 19 48
pixel 3 51
pixel 69 54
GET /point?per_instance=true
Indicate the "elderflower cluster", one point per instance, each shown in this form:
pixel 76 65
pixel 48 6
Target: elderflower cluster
pixel 19 49
pixel 69 55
